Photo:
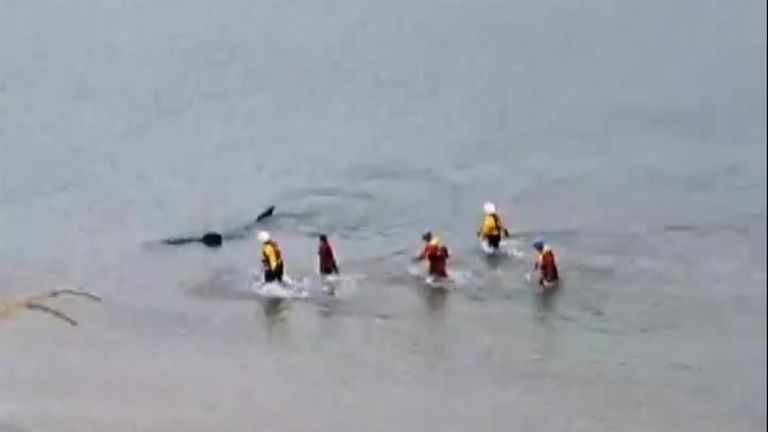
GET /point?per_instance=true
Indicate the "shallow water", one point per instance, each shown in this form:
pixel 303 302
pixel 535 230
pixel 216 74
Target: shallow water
pixel 631 135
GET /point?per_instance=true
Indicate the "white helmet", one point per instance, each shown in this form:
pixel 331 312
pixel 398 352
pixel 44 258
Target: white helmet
pixel 263 236
pixel 489 208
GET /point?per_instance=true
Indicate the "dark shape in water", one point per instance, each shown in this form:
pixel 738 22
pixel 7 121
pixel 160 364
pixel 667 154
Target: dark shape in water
pixel 213 239
pixel 435 297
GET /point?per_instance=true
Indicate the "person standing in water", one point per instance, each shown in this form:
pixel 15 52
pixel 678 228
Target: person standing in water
pixel 271 258
pixel 436 254
pixel 545 264
pixel 492 229
pixel 327 260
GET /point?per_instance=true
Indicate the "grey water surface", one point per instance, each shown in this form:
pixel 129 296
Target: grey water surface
pixel 630 134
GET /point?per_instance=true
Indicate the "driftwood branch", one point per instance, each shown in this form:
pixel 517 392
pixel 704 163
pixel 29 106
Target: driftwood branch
pixel 66 291
pixel 8 308
pixel 52 311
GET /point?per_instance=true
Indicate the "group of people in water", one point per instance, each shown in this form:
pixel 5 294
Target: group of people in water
pixel 434 252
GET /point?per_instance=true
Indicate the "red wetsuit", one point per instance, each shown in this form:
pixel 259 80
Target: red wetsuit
pixel 327 260
pixel 437 255
pixel 547 266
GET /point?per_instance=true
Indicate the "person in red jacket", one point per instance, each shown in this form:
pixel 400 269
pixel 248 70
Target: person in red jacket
pixel 327 260
pixel 546 264
pixel 436 254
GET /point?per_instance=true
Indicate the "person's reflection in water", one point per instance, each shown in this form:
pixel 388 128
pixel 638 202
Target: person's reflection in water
pixel 545 302
pixel 273 306
pixel 435 297
pixel 273 312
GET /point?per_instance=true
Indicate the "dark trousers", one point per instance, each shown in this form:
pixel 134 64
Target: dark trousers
pixel 548 275
pixel 326 270
pixel 274 275
pixel 494 240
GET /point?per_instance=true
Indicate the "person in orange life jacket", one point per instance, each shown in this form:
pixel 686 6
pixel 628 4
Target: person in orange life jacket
pixel 436 254
pixel 545 263
pixel 327 261
pixel 491 230
pixel 271 258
